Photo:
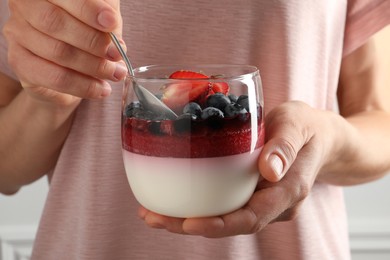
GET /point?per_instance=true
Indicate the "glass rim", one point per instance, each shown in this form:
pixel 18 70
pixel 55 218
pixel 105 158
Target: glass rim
pixel 251 70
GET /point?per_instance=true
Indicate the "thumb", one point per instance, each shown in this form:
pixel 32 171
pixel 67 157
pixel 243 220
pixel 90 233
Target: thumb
pixel 277 156
pixel 289 127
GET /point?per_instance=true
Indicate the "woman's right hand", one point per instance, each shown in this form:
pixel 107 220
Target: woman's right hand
pixel 60 50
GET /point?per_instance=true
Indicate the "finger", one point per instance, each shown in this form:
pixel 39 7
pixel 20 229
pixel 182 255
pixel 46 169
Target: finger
pixel 61 25
pixel 273 202
pixel 287 134
pixel 101 15
pixel 264 206
pixel 66 55
pixel 142 212
pixel 106 13
pixel 154 220
pixel 47 74
pixel 277 156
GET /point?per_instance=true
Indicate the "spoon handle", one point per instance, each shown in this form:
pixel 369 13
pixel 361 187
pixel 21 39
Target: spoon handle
pixel 122 52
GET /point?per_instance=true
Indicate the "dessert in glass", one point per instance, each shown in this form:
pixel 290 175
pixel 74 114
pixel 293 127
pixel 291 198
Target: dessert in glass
pixel 203 162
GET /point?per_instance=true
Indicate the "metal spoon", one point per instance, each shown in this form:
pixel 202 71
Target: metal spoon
pixel 145 97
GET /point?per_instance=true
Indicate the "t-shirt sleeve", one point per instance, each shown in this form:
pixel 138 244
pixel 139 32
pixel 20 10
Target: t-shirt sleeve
pixel 4 66
pixel 364 18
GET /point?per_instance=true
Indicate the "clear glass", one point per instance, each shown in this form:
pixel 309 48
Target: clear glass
pixel 204 163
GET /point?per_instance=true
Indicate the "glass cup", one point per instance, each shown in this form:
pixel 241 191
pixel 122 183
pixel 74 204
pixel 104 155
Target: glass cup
pixel 204 162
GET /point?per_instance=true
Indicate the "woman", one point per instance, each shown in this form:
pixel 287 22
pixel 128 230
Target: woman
pixel 60 100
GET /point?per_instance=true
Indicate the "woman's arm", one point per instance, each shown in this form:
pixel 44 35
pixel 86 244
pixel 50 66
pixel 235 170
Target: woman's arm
pixel 61 53
pixel 31 135
pixel 364 101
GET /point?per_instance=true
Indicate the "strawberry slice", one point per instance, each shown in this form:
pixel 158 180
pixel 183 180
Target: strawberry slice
pixel 177 95
pixel 221 87
pixel 187 74
pixel 216 87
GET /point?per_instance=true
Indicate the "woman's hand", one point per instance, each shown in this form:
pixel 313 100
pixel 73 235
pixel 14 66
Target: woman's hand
pixel 60 50
pixel 61 53
pixel 299 142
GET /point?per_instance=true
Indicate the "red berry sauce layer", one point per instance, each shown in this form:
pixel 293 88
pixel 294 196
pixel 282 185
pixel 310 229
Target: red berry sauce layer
pixel 191 140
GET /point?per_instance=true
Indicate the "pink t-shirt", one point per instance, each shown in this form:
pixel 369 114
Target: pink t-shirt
pixel 90 211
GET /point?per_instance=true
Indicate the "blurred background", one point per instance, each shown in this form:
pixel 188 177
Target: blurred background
pixel 368 210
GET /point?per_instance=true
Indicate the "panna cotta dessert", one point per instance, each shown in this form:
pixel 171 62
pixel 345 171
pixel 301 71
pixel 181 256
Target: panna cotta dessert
pixel 204 162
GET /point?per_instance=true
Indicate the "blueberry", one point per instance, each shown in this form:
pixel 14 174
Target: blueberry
pixel 234 109
pixel 146 115
pixel 193 108
pixel 243 101
pixel 218 100
pixel 184 122
pixel 133 108
pixel 211 112
pixel 233 98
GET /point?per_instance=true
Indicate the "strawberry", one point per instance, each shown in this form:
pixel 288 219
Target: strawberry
pixel 216 87
pixel 177 95
pixel 187 74
pixel 221 87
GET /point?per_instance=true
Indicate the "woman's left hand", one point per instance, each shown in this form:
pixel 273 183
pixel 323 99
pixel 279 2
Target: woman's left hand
pixel 299 141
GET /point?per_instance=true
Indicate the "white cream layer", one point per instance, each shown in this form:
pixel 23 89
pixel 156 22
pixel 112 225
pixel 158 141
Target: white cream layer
pixel 197 187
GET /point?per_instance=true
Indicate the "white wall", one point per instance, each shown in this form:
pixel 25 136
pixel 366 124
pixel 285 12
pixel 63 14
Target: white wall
pixel 369 220
pixel 19 217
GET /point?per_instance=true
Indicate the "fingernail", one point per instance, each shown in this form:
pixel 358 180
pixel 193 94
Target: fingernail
pixel 106 89
pixel 106 19
pixel 120 71
pixel 276 164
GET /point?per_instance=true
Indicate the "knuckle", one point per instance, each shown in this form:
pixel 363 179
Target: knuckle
pixel 92 90
pixel 253 222
pixel 52 19
pixel 59 79
pixel 7 31
pixel 13 5
pixel 104 68
pixel 10 29
pixel 256 227
pixel 300 190
pixel 13 59
pixel 94 40
pixel 98 42
pixel 293 213
pixel 84 7
pixel 289 214
pixel 304 190
pixel 62 51
pixel 288 148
